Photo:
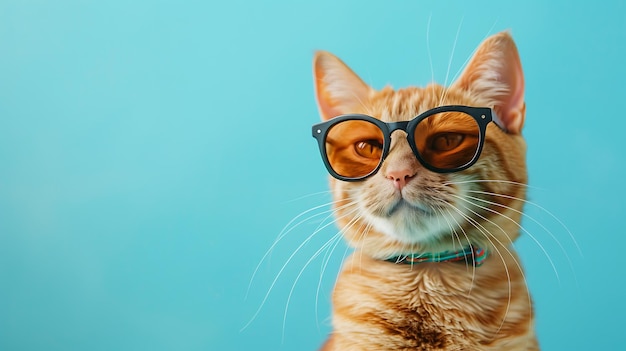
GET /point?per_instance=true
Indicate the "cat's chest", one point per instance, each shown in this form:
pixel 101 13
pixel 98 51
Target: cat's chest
pixel 425 307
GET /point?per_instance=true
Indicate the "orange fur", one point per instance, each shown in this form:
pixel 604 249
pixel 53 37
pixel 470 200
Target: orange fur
pixel 379 305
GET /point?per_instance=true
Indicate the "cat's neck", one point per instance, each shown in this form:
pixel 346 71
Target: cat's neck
pixel 468 263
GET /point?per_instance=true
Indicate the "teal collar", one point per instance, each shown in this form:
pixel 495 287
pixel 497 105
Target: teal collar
pixel 470 255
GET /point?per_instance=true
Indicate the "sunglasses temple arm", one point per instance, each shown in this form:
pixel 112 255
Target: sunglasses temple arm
pixel 498 121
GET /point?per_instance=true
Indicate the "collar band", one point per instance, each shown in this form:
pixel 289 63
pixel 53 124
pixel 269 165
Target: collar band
pixel 470 255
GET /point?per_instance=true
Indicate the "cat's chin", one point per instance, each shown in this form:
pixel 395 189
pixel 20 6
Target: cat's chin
pixel 403 207
pixel 410 224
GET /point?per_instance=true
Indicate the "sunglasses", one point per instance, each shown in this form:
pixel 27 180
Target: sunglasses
pixel 444 139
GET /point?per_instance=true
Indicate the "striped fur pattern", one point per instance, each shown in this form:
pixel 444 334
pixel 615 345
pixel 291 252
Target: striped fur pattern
pixel 378 305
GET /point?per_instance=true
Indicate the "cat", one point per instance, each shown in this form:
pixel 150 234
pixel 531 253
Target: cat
pixel 433 267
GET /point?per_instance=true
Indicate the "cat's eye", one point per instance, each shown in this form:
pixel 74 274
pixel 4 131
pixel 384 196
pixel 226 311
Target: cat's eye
pixel 444 139
pixel 369 148
pixel 354 148
pixel 447 140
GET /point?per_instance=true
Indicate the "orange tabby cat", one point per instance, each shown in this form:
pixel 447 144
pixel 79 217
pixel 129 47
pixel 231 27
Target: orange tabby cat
pixel 431 216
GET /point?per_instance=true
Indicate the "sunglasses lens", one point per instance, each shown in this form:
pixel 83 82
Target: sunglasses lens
pixel 448 140
pixel 354 148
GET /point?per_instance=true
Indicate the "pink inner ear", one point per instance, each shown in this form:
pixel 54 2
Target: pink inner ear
pixel 337 88
pixel 324 62
pixel 512 108
pixel 495 74
pixel 327 107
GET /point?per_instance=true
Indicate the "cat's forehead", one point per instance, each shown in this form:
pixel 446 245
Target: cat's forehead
pixel 404 104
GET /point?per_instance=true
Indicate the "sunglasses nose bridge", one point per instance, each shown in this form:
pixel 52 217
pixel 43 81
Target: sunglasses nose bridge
pixel 393 126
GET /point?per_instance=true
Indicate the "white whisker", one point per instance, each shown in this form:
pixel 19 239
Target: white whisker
pixel 571 265
pixel 556 273
pixel 308 195
pixel 537 206
pixel 286 231
pixel 283 268
pixel 490 236
pixel 430 58
pixel 489 181
pixel 456 75
pixel 325 261
pixel 445 82
pixel 469 291
pixel 505 266
pixel 293 286
pixel 362 236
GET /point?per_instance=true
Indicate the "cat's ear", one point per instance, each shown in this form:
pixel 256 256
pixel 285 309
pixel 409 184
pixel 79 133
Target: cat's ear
pixel 495 74
pixel 337 88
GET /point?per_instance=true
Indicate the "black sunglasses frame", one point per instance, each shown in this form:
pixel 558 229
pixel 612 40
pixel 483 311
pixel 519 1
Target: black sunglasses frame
pixel 482 116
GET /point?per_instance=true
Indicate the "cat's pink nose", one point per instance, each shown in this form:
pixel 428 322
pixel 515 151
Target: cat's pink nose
pixel 400 177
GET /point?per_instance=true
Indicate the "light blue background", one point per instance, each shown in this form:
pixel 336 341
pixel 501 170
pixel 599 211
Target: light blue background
pixel 151 152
